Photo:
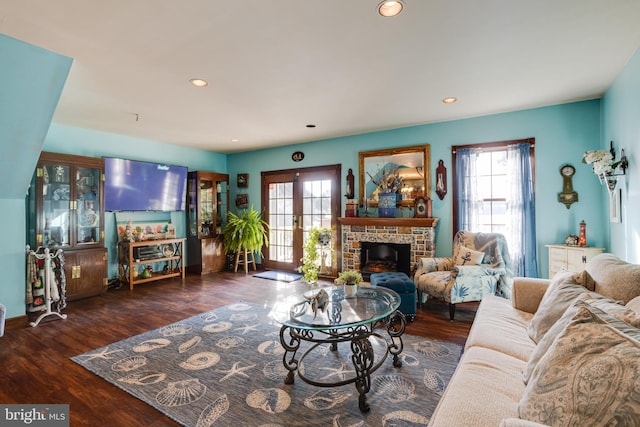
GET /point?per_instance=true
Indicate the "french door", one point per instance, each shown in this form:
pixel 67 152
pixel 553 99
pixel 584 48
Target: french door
pixel 294 201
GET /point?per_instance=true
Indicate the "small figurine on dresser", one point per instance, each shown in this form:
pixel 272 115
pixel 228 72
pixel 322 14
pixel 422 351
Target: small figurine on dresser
pixel 582 240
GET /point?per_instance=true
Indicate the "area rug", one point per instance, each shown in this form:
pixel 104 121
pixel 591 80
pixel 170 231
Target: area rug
pixel 281 276
pixel 224 368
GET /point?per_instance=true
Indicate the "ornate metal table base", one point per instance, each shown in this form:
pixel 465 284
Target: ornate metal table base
pixel 363 356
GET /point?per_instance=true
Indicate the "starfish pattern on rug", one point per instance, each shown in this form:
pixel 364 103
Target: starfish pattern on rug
pixel 235 370
pixel 247 328
pixel 340 372
pixel 100 354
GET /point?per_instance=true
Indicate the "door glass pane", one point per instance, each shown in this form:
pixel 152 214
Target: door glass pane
pixel 192 205
pixel 281 222
pixel 56 193
pixel 317 214
pixel 88 205
pixel 207 208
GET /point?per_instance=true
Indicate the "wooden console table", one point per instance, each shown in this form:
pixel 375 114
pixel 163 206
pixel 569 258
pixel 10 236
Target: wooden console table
pixel 133 254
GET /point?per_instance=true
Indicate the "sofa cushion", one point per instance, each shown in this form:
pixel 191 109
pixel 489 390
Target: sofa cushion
pixel 499 327
pixel 615 278
pixel 468 256
pixel 589 375
pixel 563 290
pixel 609 306
pixel 485 388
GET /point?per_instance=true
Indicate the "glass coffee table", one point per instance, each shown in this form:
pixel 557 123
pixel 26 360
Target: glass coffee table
pixel 369 320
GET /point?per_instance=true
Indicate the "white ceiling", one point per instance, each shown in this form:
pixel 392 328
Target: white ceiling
pixel 275 66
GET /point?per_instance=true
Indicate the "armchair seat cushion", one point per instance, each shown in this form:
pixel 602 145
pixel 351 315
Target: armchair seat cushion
pixel 434 284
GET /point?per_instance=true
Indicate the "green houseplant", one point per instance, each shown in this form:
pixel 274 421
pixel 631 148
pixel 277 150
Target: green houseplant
pixel 311 265
pixel 350 279
pixel 245 231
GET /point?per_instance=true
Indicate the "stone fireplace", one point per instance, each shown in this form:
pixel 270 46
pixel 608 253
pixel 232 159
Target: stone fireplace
pixel 376 257
pixel 418 233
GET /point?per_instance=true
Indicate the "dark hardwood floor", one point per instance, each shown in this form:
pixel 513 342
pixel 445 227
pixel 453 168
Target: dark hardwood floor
pixel 35 362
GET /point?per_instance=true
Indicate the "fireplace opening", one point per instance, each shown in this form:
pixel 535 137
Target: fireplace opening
pixel 382 257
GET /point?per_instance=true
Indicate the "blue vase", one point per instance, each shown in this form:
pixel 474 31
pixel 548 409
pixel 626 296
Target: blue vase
pixel 387 205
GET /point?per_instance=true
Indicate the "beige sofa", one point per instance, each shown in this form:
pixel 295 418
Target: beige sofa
pixel 488 386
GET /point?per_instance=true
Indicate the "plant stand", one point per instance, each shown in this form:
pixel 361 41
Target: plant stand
pixel 244 257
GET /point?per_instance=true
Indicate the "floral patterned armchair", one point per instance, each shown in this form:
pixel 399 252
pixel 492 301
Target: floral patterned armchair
pixel 480 266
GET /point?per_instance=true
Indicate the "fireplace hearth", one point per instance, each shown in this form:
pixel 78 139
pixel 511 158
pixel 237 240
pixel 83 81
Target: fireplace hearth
pixel 377 257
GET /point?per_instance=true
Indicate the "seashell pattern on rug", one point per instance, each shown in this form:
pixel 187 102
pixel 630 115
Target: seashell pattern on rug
pixel 189 344
pixel 271 400
pixel 175 330
pixel 181 393
pixel 434 381
pixel 395 387
pixel 202 360
pixel 129 363
pixel 226 367
pixel 149 345
pixel 432 349
pixel 217 327
pixel 143 377
pixel 211 413
pixel 326 399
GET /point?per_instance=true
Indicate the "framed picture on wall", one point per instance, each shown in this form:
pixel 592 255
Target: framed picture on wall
pixel 242 201
pixel 614 207
pixel 243 180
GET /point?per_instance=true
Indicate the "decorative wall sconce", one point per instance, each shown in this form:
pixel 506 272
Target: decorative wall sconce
pixel 618 168
pixel 605 166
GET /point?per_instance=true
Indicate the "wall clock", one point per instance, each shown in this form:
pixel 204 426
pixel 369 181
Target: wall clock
pixel 567 196
pixel 421 207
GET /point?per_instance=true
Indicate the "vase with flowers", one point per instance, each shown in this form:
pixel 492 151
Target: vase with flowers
pixel 604 166
pixel 388 186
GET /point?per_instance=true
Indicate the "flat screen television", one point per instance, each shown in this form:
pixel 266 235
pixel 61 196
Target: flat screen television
pixel 132 185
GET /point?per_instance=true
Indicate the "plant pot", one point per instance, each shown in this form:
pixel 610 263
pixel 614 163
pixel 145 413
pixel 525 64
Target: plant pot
pixel 350 289
pixel 387 205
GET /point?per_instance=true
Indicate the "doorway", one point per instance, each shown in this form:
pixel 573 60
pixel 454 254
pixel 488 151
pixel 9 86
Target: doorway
pixel 294 201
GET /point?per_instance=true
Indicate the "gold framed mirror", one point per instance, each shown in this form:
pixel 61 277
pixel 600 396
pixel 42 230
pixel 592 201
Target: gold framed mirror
pixel 412 164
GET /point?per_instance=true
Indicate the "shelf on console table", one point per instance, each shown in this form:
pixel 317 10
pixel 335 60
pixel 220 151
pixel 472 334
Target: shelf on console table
pixel 390 222
pixel 174 259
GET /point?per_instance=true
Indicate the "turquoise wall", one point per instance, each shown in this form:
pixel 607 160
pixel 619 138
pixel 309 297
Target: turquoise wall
pixel 621 124
pixel 31 81
pixel 562 132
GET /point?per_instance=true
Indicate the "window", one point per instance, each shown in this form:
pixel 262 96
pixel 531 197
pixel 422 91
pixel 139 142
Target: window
pixel 493 191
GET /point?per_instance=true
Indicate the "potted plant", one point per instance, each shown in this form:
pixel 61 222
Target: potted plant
pixel 350 279
pixel 245 231
pixel 311 265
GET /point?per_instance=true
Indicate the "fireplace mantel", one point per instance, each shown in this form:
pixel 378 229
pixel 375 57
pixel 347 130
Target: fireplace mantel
pixel 390 222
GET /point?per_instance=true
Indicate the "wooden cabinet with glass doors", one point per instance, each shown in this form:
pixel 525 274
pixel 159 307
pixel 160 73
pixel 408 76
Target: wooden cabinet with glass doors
pixel 68 214
pixel 207 208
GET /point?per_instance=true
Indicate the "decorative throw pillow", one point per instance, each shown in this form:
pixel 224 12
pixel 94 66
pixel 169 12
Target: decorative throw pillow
pixel 468 256
pixel 634 304
pixel 562 292
pixel 609 306
pixel 589 375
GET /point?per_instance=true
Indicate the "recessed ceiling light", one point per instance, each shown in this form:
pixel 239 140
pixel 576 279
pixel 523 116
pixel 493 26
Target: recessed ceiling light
pixel 199 82
pixel 390 8
pixel 450 100
pixel 311 126
pixel 234 140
